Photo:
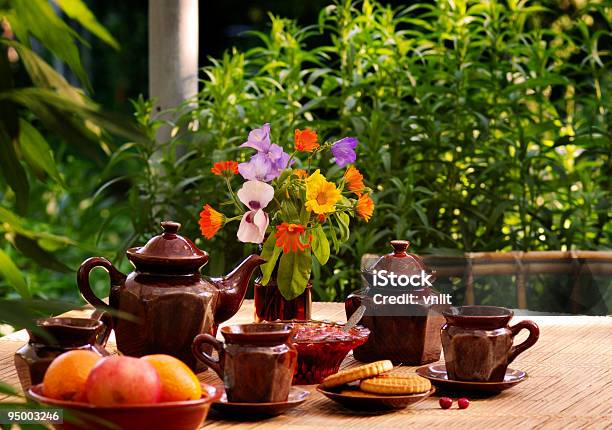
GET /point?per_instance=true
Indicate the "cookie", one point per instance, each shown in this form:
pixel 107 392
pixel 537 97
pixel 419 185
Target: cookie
pixel 357 373
pixel 355 393
pixel 409 384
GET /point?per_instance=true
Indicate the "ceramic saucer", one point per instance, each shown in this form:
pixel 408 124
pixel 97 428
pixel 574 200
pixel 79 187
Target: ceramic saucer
pixel 436 373
pixel 353 398
pixel 297 396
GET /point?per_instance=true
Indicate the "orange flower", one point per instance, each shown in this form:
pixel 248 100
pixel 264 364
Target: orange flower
pixel 322 218
pixel 365 207
pixel 210 221
pixel 225 168
pixel 354 180
pixel 300 173
pixel 305 140
pixel 288 237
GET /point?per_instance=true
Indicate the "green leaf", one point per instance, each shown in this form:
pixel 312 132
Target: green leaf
pixel 78 11
pixel 79 124
pixel 13 171
pixel 43 75
pixel 23 313
pixel 8 110
pixel 18 225
pixel 304 216
pixel 320 245
pixel 289 211
pixel 20 31
pixel 270 253
pixel 343 224
pixel 31 249
pixel 334 237
pixel 36 151
pixel 294 273
pixel 421 214
pixel 7 389
pixel 111 122
pixel 13 276
pixel 40 20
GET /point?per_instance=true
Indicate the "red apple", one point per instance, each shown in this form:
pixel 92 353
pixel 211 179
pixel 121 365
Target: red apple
pixel 120 380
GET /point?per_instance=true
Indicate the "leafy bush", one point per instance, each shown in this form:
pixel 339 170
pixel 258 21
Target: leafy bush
pixel 41 176
pixel 481 128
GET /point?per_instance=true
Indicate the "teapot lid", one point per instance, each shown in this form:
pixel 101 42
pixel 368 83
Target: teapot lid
pixel 399 261
pixel 170 250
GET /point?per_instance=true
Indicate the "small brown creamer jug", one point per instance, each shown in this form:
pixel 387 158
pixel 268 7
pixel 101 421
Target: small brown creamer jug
pixel 56 336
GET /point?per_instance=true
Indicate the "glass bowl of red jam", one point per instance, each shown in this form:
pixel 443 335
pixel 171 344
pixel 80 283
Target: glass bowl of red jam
pixel 321 348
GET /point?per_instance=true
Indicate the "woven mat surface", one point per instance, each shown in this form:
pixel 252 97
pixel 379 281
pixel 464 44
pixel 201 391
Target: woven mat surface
pixel 569 385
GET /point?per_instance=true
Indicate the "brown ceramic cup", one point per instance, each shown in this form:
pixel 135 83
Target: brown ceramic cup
pixel 256 363
pixel 478 342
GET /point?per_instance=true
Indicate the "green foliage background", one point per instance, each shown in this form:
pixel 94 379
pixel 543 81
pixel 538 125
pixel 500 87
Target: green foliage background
pixel 480 128
pixel 483 126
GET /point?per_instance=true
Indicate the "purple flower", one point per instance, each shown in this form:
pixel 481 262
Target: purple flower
pixel 344 151
pixel 281 162
pixel 259 168
pixel 258 139
pixel 270 159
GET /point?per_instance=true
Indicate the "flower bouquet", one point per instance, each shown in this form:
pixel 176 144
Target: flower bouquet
pixel 293 211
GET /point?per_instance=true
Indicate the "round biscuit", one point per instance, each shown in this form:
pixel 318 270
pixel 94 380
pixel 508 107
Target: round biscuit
pixel 393 385
pixel 356 373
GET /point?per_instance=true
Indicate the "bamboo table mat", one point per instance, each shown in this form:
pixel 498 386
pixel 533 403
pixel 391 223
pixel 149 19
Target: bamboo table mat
pixel 569 385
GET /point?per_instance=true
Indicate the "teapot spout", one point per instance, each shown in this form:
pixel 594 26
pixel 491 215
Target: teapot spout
pixel 233 286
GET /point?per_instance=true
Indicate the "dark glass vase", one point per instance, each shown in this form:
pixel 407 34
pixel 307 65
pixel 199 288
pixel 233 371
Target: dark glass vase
pixel 270 305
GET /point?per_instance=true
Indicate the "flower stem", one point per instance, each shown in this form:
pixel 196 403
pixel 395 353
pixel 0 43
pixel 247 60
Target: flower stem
pixel 236 218
pixel 233 196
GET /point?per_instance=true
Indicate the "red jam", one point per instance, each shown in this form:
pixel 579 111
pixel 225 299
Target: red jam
pixel 317 332
pixel 322 347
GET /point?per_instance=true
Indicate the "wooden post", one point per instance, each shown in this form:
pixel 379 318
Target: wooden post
pixel 173 55
pixel 469 280
pixel 521 281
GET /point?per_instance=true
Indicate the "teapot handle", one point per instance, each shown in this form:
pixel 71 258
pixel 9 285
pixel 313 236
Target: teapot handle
pixel 213 363
pixel 116 278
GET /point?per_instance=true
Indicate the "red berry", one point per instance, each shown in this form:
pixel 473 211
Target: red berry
pixel 463 403
pixel 446 402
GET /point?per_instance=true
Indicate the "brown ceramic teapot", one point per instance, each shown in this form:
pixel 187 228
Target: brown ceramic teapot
pixel 171 302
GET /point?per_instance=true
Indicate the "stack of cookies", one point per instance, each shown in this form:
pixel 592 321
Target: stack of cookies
pixel 373 379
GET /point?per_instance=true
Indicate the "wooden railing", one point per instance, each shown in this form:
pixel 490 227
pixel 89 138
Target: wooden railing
pixel 521 265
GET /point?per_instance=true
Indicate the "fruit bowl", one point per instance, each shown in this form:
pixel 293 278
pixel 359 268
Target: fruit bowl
pixel 184 415
pixel 321 348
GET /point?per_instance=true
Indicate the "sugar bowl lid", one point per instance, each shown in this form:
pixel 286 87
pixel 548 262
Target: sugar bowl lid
pixel 168 251
pixel 399 261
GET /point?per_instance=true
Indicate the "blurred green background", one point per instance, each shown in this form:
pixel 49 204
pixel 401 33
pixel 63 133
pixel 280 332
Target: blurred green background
pixel 484 126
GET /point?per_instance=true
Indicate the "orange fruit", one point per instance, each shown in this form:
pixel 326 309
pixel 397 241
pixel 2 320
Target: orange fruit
pixel 66 376
pixel 177 380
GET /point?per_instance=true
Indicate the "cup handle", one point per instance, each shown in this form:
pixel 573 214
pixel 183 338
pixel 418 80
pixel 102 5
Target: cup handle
pixel 196 349
pixel 107 321
pixel 534 334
